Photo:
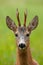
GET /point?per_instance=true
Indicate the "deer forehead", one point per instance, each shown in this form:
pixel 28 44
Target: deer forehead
pixel 21 29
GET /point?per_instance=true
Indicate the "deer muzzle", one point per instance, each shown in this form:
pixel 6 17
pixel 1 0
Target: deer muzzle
pixel 22 44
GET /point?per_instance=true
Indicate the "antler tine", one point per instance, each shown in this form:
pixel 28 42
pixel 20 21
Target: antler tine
pixel 25 16
pixel 17 14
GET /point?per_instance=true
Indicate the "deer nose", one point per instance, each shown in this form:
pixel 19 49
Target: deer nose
pixel 22 45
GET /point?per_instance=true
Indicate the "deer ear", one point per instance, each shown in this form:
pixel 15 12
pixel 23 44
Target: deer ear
pixel 33 24
pixel 11 25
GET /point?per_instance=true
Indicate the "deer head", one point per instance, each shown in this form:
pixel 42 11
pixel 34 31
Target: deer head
pixel 22 33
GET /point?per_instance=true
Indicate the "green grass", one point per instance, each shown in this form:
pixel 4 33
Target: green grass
pixel 7 39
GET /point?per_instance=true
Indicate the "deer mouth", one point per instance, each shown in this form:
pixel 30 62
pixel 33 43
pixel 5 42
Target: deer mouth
pixel 22 46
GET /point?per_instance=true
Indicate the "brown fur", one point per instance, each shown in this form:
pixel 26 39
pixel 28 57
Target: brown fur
pixel 24 57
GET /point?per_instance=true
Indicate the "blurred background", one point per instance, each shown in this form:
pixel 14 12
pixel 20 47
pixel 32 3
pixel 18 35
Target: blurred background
pixel 7 38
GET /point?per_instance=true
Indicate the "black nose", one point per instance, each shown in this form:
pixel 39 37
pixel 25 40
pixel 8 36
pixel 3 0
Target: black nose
pixel 22 45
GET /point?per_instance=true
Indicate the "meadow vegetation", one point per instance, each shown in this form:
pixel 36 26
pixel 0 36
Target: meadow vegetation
pixel 7 38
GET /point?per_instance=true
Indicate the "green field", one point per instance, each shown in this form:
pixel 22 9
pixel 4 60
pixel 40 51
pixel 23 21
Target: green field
pixel 7 39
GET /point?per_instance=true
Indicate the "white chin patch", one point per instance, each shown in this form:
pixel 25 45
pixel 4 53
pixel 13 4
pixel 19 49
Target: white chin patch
pixel 21 48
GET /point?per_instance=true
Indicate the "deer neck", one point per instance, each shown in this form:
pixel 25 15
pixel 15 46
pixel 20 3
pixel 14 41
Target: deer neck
pixel 24 57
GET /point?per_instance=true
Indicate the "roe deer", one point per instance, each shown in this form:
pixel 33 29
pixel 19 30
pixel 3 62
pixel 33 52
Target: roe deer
pixel 22 34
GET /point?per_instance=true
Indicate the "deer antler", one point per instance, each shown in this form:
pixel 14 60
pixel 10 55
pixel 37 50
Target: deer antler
pixel 25 16
pixel 17 14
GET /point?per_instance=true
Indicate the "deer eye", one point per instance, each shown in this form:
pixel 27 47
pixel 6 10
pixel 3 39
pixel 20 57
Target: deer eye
pixel 27 34
pixel 16 35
